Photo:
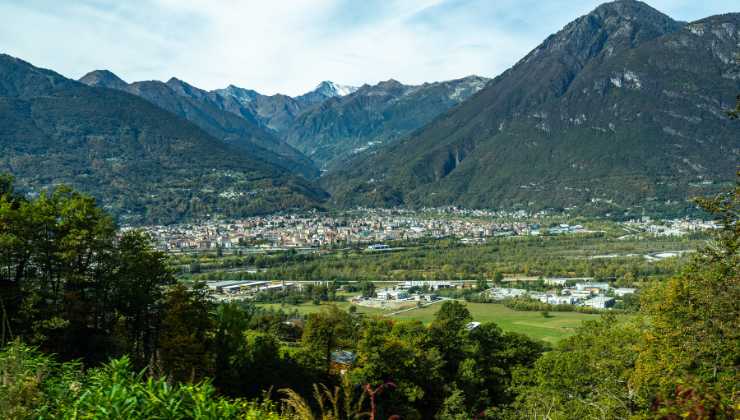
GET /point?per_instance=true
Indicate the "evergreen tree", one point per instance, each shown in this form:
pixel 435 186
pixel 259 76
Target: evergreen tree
pixel 185 339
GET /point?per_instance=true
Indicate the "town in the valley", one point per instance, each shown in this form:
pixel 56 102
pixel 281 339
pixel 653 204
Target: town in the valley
pixel 373 227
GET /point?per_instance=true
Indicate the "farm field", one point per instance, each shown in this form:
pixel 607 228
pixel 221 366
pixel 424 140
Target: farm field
pixel 553 329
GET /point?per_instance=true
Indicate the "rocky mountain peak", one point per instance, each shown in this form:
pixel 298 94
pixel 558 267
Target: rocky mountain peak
pixel 21 79
pixel 103 78
pixel 323 91
pixel 606 30
pixel 238 93
pixel 620 101
pixel 331 89
pixel 386 87
pixel 389 84
pixel 181 87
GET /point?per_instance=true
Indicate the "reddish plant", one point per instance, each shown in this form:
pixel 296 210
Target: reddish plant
pixel 690 403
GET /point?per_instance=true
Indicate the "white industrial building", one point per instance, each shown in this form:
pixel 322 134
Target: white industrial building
pixel 391 294
pixel 599 302
pixel 500 293
pixel 431 284
pixel 621 291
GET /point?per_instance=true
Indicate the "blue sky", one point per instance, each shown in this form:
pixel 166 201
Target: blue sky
pixel 289 46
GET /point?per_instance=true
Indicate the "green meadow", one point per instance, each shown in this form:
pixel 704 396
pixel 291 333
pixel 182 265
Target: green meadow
pixel 555 327
pixel 552 329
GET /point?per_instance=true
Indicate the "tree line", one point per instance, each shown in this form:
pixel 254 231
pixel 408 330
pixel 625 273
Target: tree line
pixel 129 339
pixel 534 257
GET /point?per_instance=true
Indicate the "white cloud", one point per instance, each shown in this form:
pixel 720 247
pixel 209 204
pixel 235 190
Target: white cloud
pixel 289 46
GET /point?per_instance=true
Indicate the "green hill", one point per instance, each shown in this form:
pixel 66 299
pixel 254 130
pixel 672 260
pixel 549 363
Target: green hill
pixel 142 162
pixel 624 107
pixel 204 110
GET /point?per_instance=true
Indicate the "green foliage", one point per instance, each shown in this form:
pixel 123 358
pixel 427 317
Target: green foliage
pixel 327 330
pixel 56 257
pixel 693 344
pixel 399 352
pixel 74 287
pixel 70 285
pixel 527 303
pixel 185 339
pixel 341 403
pixel 448 333
pixel 562 256
pixel 444 367
pixel 31 382
pixel 254 350
pixel 681 362
pixel 33 385
pixel 139 273
pixel 231 322
pixel 315 293
pixel 368 289
pixel 585 377
pixel 453 407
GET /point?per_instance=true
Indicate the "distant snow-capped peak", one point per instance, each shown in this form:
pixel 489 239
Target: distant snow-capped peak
pixel 331 89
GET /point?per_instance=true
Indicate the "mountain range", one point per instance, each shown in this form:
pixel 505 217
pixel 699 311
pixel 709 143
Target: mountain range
pixel 276 112
pixel 160 152
pixel 206 110
pixel 624 109
pixel 143 163
pixel 317 129
pixel 344 126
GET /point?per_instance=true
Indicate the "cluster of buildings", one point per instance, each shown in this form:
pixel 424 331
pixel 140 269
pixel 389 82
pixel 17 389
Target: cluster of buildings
pixel 669 227
pixel 415 291
pixel 368 226
pixel 375 226
pixel 239 289
pixel 564 291
pixel 595 295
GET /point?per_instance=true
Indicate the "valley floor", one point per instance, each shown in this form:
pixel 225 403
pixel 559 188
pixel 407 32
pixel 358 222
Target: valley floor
pixel 557 326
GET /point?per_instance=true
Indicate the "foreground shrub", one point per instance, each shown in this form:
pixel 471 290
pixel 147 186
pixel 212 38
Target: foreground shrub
pixel 34 385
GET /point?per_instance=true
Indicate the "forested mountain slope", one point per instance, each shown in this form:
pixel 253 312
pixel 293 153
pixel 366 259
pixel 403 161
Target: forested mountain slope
pixel 623 107
pixel 329 124
pixel 204 109
pixel 345 126
pixel 142 162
